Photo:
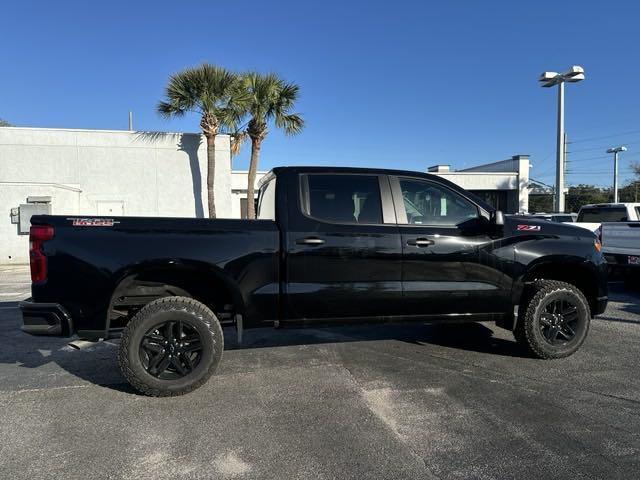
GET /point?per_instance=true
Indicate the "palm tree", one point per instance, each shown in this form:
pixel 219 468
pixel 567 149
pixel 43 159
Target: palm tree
pixel 271 99
pixel 214 93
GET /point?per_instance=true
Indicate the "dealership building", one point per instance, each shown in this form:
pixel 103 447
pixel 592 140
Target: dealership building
pixel 112 173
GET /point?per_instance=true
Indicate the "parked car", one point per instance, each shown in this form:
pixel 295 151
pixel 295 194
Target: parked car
pixel 329 245
pixel 621 247
pixel 591 216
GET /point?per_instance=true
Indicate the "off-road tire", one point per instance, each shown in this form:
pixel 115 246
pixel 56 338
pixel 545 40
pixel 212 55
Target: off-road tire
pixel 196 315
pixel 528 328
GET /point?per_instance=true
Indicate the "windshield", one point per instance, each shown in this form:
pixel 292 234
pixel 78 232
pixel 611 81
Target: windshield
pixel 602 214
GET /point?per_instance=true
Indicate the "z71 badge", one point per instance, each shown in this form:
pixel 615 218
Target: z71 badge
pixel 528 228
pixel 93 222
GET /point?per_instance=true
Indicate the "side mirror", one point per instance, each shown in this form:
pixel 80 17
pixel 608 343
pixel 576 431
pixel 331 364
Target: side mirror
pixel 497 217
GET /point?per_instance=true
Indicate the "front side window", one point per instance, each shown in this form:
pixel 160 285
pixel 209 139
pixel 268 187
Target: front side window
pixel 343 198
pixel 428 203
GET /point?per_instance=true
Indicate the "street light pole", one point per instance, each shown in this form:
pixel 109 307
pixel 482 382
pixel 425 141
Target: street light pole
pixel 616 151
pixel 560 148
pixel 549 79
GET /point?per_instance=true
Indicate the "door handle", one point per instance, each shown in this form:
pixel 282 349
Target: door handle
pixel 420 242
pixel 310 241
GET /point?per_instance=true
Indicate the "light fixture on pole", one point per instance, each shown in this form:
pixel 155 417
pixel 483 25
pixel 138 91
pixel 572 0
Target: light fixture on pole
pixel 549 79
pixel 616 151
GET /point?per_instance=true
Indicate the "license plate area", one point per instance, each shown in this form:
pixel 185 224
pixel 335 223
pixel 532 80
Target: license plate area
pixel 634 260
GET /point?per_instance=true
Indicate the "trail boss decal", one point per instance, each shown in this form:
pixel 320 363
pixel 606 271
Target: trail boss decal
pixel 528 228
pixel 92 222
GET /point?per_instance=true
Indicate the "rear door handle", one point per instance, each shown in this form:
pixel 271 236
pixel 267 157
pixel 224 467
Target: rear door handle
pixel 420 242
pixel 310 241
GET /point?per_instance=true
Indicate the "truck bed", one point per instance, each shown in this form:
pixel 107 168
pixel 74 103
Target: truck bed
pixel 89 257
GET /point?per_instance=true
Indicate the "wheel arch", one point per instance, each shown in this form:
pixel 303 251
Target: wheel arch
pixel 576 271
pixel 141 284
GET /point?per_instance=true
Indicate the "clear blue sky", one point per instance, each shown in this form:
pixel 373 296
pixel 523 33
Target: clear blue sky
pixel 386 84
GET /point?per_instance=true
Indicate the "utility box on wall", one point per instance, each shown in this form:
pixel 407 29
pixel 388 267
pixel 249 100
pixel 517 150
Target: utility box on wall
pixel 36 206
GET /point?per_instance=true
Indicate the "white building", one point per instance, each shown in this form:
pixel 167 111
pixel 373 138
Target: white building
pixel 503 184
pixel 102 172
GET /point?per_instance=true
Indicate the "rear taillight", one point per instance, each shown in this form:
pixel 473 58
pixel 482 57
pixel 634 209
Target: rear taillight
pixel 597 243
pixel 37 259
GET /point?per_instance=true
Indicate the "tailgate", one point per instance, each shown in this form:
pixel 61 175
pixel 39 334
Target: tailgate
pixel 621 238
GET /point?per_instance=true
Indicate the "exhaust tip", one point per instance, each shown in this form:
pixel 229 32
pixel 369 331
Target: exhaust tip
pixel 80 344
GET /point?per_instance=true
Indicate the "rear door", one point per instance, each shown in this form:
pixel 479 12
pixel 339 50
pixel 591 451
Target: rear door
pixel 344 257
pixel 451 265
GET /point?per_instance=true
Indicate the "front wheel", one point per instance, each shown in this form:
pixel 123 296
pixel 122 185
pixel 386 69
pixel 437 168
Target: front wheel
pixel 170 347
pixel 554 320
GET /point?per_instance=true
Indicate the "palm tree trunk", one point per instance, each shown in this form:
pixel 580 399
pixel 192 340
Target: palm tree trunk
pixel 253 166
pixel 211 173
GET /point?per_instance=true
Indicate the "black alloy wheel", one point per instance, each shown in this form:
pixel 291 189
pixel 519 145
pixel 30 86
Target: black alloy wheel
pixel 559 322
pixel 171 350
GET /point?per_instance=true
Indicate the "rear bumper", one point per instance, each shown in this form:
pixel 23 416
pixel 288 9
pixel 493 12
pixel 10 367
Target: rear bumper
pixel 46 319
pixel 620 261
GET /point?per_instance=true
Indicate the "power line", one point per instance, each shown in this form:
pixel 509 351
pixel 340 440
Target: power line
pixel 593 139
pixel 604 147
pixel 619 124
pixel 600 162
pixel 575 174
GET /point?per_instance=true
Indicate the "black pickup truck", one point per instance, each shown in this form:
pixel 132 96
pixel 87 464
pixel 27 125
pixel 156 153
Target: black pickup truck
pixel 329 245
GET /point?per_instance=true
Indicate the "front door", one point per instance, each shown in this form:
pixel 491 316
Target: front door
pixel 344 256
pixel 450 265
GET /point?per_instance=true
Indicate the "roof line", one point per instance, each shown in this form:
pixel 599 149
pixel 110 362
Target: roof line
pixel 104 130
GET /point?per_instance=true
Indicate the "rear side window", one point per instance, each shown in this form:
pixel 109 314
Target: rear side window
pixel 342 198
pixel 599 215
pixel 267 201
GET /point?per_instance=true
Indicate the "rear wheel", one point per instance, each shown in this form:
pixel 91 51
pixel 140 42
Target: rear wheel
pixel 553 320
pixel 171 347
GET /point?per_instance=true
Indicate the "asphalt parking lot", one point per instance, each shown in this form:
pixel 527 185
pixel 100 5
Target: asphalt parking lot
pixel 388 402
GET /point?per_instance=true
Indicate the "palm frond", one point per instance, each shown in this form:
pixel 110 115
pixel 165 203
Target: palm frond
pixel 291 124
pixel 237 139
pixel 271 99
pixel 212 91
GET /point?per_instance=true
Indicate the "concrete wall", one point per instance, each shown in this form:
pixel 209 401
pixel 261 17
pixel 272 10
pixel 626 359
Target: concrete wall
pixel 84 171
pixel 239 188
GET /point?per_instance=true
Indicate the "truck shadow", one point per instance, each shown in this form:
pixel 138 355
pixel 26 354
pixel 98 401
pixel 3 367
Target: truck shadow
pixel 97 364
pixel 476 337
